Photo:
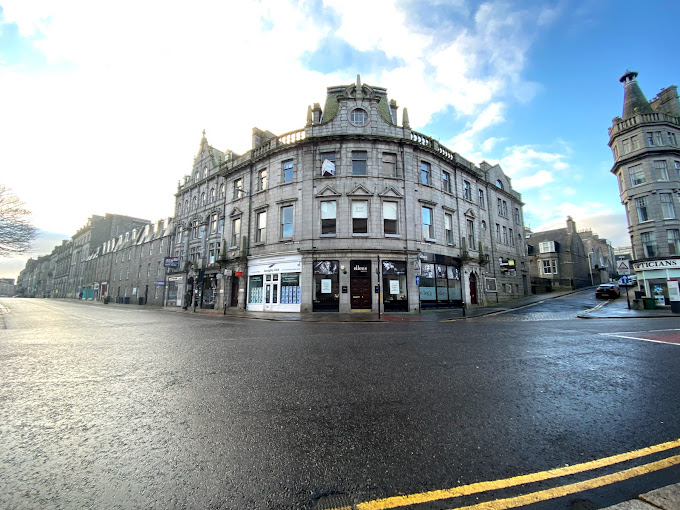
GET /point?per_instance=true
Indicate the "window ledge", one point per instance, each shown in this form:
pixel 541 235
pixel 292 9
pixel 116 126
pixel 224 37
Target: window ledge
pixel 285 239
pixel 393 236
pixel 328 235
pixel 430 240
pixel 359 235
pixel 259 243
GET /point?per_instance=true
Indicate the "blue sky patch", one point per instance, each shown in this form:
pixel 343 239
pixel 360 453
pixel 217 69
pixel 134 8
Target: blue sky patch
pixel 334 54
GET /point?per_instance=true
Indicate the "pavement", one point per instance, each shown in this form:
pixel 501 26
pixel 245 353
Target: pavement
pixel 607 309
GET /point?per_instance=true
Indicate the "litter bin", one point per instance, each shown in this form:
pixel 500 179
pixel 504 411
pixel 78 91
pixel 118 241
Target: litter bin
pixel 140 301
pixel 638 294
pixel 106 300
pixel 649 303
pixel 126 300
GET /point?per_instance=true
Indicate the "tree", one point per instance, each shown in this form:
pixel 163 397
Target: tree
pixel 16 229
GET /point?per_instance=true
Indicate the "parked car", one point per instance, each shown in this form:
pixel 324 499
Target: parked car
pixel 607 290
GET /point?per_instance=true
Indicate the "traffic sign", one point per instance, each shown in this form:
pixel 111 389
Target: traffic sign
pixel 623 267
pixel 625 280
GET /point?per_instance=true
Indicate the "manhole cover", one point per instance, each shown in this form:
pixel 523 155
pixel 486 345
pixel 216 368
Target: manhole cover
pixel 334 502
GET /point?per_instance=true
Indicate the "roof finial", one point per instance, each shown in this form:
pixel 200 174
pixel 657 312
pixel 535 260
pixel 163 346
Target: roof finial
pixel 203 133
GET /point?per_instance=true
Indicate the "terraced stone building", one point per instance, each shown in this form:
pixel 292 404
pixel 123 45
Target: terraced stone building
pixel 353 212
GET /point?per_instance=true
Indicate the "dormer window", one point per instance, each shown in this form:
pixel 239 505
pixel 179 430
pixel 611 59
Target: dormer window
pixel 547 247
pixel 499 184
pixel 358 117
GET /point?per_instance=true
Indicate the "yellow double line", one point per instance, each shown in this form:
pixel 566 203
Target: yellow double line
pixel 535 497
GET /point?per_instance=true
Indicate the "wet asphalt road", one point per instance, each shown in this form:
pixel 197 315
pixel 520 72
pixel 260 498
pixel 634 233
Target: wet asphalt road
pixel 123 407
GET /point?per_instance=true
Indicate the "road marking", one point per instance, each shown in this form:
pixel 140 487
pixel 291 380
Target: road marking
pixel 500 311
pixel 566 490
pixel 658 340
pixel 597 307
pixel 475 488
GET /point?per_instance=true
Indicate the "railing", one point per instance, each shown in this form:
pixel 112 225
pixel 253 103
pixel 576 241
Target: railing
pixel 642 118
pixel 430 143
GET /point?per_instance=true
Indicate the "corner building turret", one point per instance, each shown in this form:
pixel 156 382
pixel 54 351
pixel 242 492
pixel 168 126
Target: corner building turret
pixel 644 144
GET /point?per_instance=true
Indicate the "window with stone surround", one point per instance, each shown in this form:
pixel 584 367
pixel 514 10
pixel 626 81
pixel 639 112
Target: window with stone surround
pixel 446 182
pixel 637 175
pixel 425 173
pixel 359 216
pixel 661 170
pixel 261 233
pixel 673 237
pixel 667 208
pixel 286 222
pixel 389 164
pixel 428 223
pixel 328 217
pixel 641 207
pixel 648 244
pixel 359 163
pixel 287 171
pixel 390 218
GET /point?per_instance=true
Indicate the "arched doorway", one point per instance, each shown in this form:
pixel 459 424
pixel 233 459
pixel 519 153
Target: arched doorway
pixel 473 289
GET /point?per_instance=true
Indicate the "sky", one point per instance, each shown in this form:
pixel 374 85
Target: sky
pixel 103 103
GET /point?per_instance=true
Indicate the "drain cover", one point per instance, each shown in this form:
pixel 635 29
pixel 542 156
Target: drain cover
pixel 334 502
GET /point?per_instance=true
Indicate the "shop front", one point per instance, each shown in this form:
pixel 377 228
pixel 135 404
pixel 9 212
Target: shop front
pixel 395 294
pixel 175 290
pixel 209 288
pixel 440 285
pixel 653 277
pixel 274 284
pixel 326 291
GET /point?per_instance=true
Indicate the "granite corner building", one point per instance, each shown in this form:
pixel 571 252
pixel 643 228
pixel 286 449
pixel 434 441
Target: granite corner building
pixel 353 212
pixel 644 143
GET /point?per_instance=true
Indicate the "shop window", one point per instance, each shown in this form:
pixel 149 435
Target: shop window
pixel 255 290
pixel 290 288
pixel 326 290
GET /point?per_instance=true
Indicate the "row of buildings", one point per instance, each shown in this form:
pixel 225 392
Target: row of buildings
pixel 350 213
pixel 357 212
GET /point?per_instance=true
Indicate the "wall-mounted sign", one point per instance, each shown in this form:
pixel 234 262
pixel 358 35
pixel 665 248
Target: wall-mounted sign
pixel 360 268
pixel 171 262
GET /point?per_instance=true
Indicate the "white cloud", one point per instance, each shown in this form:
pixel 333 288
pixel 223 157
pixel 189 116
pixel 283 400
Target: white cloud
pixel 114 121
pixel 540 178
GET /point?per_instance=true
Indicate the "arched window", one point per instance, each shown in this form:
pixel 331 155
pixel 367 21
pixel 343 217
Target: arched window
pixel 223 190
pixel 205 172
pixel 196 176
pixel 186 205
pixel 212 194
pixel 203 198
pixel 499 184
pixel 194 202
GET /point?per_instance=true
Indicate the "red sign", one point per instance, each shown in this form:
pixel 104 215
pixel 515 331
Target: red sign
pixel 238 273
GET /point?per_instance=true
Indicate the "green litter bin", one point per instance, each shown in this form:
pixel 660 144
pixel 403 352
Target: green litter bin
pixel 649 303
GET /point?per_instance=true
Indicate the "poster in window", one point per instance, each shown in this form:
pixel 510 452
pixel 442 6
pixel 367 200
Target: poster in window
pixel 428 270
pixel 325 267
pixel 490 284
pixel 394 286
pixel 325 286
pixel 441 271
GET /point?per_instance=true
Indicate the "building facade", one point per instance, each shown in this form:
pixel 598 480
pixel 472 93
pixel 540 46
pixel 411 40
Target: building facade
pixel 644 143
pixel 558 259
pixel 354 212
